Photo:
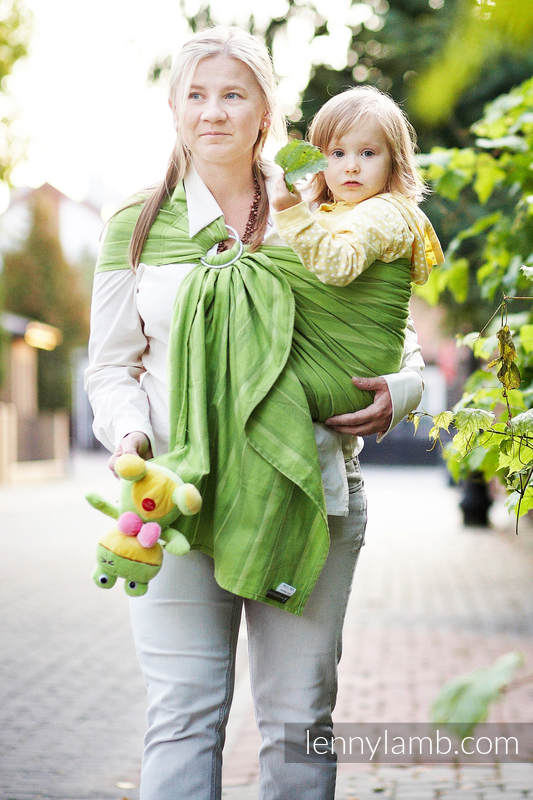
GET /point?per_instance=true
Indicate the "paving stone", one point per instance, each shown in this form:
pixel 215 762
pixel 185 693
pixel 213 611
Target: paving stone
pixel 504 794
pixel 430 601
pixel 459 794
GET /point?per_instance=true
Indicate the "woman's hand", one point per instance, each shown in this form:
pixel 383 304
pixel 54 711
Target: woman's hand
pixel 376 418
pixel 135 442
pixel 280 197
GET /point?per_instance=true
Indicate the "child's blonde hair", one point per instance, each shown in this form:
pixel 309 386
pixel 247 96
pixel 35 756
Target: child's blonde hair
pixel 344 111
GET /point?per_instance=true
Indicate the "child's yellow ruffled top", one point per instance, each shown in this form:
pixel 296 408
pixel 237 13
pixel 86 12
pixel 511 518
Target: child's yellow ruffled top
pixel 385 227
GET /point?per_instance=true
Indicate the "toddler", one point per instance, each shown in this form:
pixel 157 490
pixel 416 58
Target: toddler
pixel 365 200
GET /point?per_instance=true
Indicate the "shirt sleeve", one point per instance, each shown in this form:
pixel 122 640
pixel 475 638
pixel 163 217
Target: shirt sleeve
pixel 407 385
pixel 116 345
pixel 372 230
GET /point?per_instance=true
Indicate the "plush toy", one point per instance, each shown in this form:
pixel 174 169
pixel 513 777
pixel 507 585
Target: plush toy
pixel 151 498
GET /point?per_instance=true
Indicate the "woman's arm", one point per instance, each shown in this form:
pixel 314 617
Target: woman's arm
pixel 116 345
pixel 395 395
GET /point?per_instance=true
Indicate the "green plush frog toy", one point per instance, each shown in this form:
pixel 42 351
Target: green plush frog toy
pixel 151 498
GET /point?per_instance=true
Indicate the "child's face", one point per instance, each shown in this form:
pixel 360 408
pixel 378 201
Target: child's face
pixel 359 163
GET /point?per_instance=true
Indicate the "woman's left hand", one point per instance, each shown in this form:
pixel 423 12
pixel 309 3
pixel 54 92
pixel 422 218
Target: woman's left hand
pixel 279 195
pixel 376 418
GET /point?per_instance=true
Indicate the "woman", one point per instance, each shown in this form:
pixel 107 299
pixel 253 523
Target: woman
pixel 185 628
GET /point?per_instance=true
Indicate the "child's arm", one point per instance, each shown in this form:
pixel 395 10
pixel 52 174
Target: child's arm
pixel 373 230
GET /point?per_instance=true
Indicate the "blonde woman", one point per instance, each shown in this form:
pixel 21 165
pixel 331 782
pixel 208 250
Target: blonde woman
pixel 284 511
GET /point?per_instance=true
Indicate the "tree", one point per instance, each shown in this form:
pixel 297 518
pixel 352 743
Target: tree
pixel 482 30
pixel 39 283
pixel 494 419
pixel 322 54
pixel 373 42
pixel 15 31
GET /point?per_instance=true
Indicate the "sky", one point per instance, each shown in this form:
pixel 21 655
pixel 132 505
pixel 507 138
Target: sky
pixel 94 127
pixel 92 123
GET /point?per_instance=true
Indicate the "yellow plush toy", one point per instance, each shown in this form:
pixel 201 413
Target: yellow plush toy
pixel 151 498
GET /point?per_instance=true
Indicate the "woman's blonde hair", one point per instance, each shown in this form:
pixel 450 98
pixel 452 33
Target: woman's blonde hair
pixel 227 41
pixel 344 111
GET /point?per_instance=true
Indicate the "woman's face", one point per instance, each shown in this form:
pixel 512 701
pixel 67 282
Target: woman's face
pixel 223 113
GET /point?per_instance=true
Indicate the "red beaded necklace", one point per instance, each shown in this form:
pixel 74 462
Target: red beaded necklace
pixel 252 218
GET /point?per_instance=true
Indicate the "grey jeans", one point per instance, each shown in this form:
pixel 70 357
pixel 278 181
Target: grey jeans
pixel 185 630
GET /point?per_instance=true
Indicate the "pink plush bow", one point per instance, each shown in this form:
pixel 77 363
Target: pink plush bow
pixel 131 524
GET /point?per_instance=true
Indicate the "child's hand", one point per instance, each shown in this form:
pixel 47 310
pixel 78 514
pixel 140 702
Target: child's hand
pixel 280 197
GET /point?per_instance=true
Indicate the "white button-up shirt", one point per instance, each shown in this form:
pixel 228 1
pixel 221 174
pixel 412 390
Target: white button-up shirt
pixel 127 377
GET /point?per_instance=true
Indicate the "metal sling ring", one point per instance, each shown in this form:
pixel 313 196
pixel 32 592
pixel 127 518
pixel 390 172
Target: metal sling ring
pixel 234 235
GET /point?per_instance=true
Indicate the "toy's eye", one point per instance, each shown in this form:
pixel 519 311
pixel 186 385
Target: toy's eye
pixel 148 504
pixel 103 579
pixel 132 584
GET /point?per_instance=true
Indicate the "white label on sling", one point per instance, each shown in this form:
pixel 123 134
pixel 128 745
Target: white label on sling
pixel 286 589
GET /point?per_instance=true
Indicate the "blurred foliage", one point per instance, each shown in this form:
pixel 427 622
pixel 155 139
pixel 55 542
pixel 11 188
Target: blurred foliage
pixel 492 258
pixel 38 283
pixel 15 31
pixel 482 30
pixel 389 44
pixel 492 183
pixel 464 701
pixel 379 49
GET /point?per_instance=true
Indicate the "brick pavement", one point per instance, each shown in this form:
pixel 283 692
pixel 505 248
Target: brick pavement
pixel 430 600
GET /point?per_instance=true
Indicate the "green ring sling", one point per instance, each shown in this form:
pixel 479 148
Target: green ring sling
pixel 258 350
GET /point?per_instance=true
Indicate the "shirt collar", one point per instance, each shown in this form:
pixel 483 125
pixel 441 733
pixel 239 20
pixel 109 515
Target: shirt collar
pixel 202 208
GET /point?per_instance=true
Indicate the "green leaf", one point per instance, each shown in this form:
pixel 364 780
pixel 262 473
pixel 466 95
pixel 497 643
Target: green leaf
pixel 465 400
pixel 497 109
pixel 522 424
pixel 441 422
pixel 488 176
pixel 488 398
pixel 475 458
pixel 298 159
pixel 489 465
pixel 515 143
pixel 439 155
pixel 469 421
pixel 481 346
pixel 526 338
pixel 508 374
pixel 451 183
pixel 433 287
pixel 522 121
pixel 481 459
pixel 467 340
pixel 479 226
pixel 458 279
pixel 473 419
pixel 415 419
pixel 465 701
pixel 454 462
pixel 514 506
pixel 528 271
pixel 485 346
pixel 515 455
